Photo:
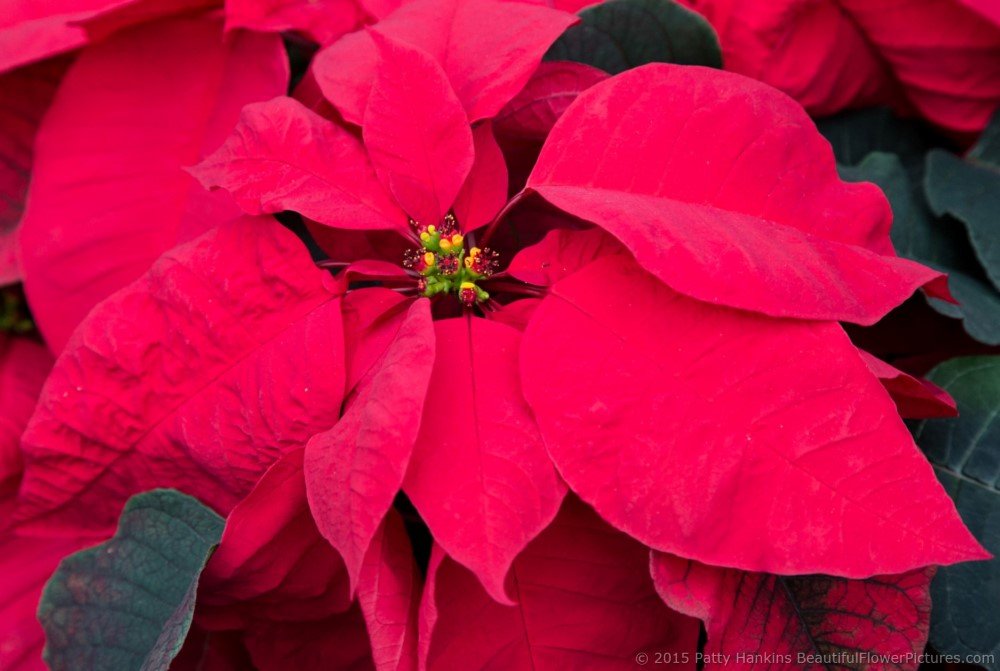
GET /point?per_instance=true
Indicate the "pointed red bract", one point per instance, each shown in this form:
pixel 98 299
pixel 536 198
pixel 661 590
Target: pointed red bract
pixel 283 156
pixel 415 131
pixel 109 193
pixel 225 355
pixel 915 398
pixel 25 95
pixel 272 563
pixel 671 410
pixel 584 601
pixel 560 254
pixel 323 20
pixel 533 112
pixel 484 192
pixel 24 365
pixel 759 621
pixel 754 218
pixel 354 470
pixel 389 589
pixel 488 50
pixel 479 474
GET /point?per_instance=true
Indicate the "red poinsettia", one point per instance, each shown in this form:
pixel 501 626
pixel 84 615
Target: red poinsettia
pixel 663 371
pixel 940 58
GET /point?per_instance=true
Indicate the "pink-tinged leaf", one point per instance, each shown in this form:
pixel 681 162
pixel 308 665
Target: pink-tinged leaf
pixel 672 409
pixel 481 439
pixel 389 589
pixel 754 218
pixel 484 192
pixel 533 112
pixel 488 50
pixel 812 51
pixel 759 621
pixel 584 601
pixel 946 55
pixel 109 195
pixel 272 563
pixel 26 565
pixel 227 354
pixel 355 469
pixel 322 20
pixel 339 642
pixel 416 133
pixel 560 254
pixel 283 156
pixel 24 365
pixel 25 95
pixel 915 398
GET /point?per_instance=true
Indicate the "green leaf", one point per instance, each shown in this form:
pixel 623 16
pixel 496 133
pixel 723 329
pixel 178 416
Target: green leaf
pixel 618 35
pixel 856 134
pixel 127 604
pixel 969 191
pixel 941 243
pixel 965 452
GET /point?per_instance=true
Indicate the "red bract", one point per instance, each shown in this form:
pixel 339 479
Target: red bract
pixel 109 195
pixel 177 403
pixel 456 34
pixel 673 357
pixel 323 21
pixel 938 56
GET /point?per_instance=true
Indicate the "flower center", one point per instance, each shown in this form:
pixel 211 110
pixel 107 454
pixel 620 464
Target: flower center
pixel 446 266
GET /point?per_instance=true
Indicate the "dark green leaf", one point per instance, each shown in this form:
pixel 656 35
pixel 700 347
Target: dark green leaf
pixel 941 243
pixel 126 605
pixel 965 452
pixel 854 135
pixel 618 35
pixel 970 192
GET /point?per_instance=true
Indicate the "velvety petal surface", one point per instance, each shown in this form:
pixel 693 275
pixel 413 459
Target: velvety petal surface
pixel 108 193
pixel 488 50
pixel 480 439
pixel 225 355
pixel 670 409
pixel 754 218
pixel 283 156
pixel 584 601
pixel 759 621
pixel 355 469
pixel 415 131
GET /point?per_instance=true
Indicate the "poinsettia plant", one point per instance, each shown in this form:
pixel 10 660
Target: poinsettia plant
pixel 484 347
